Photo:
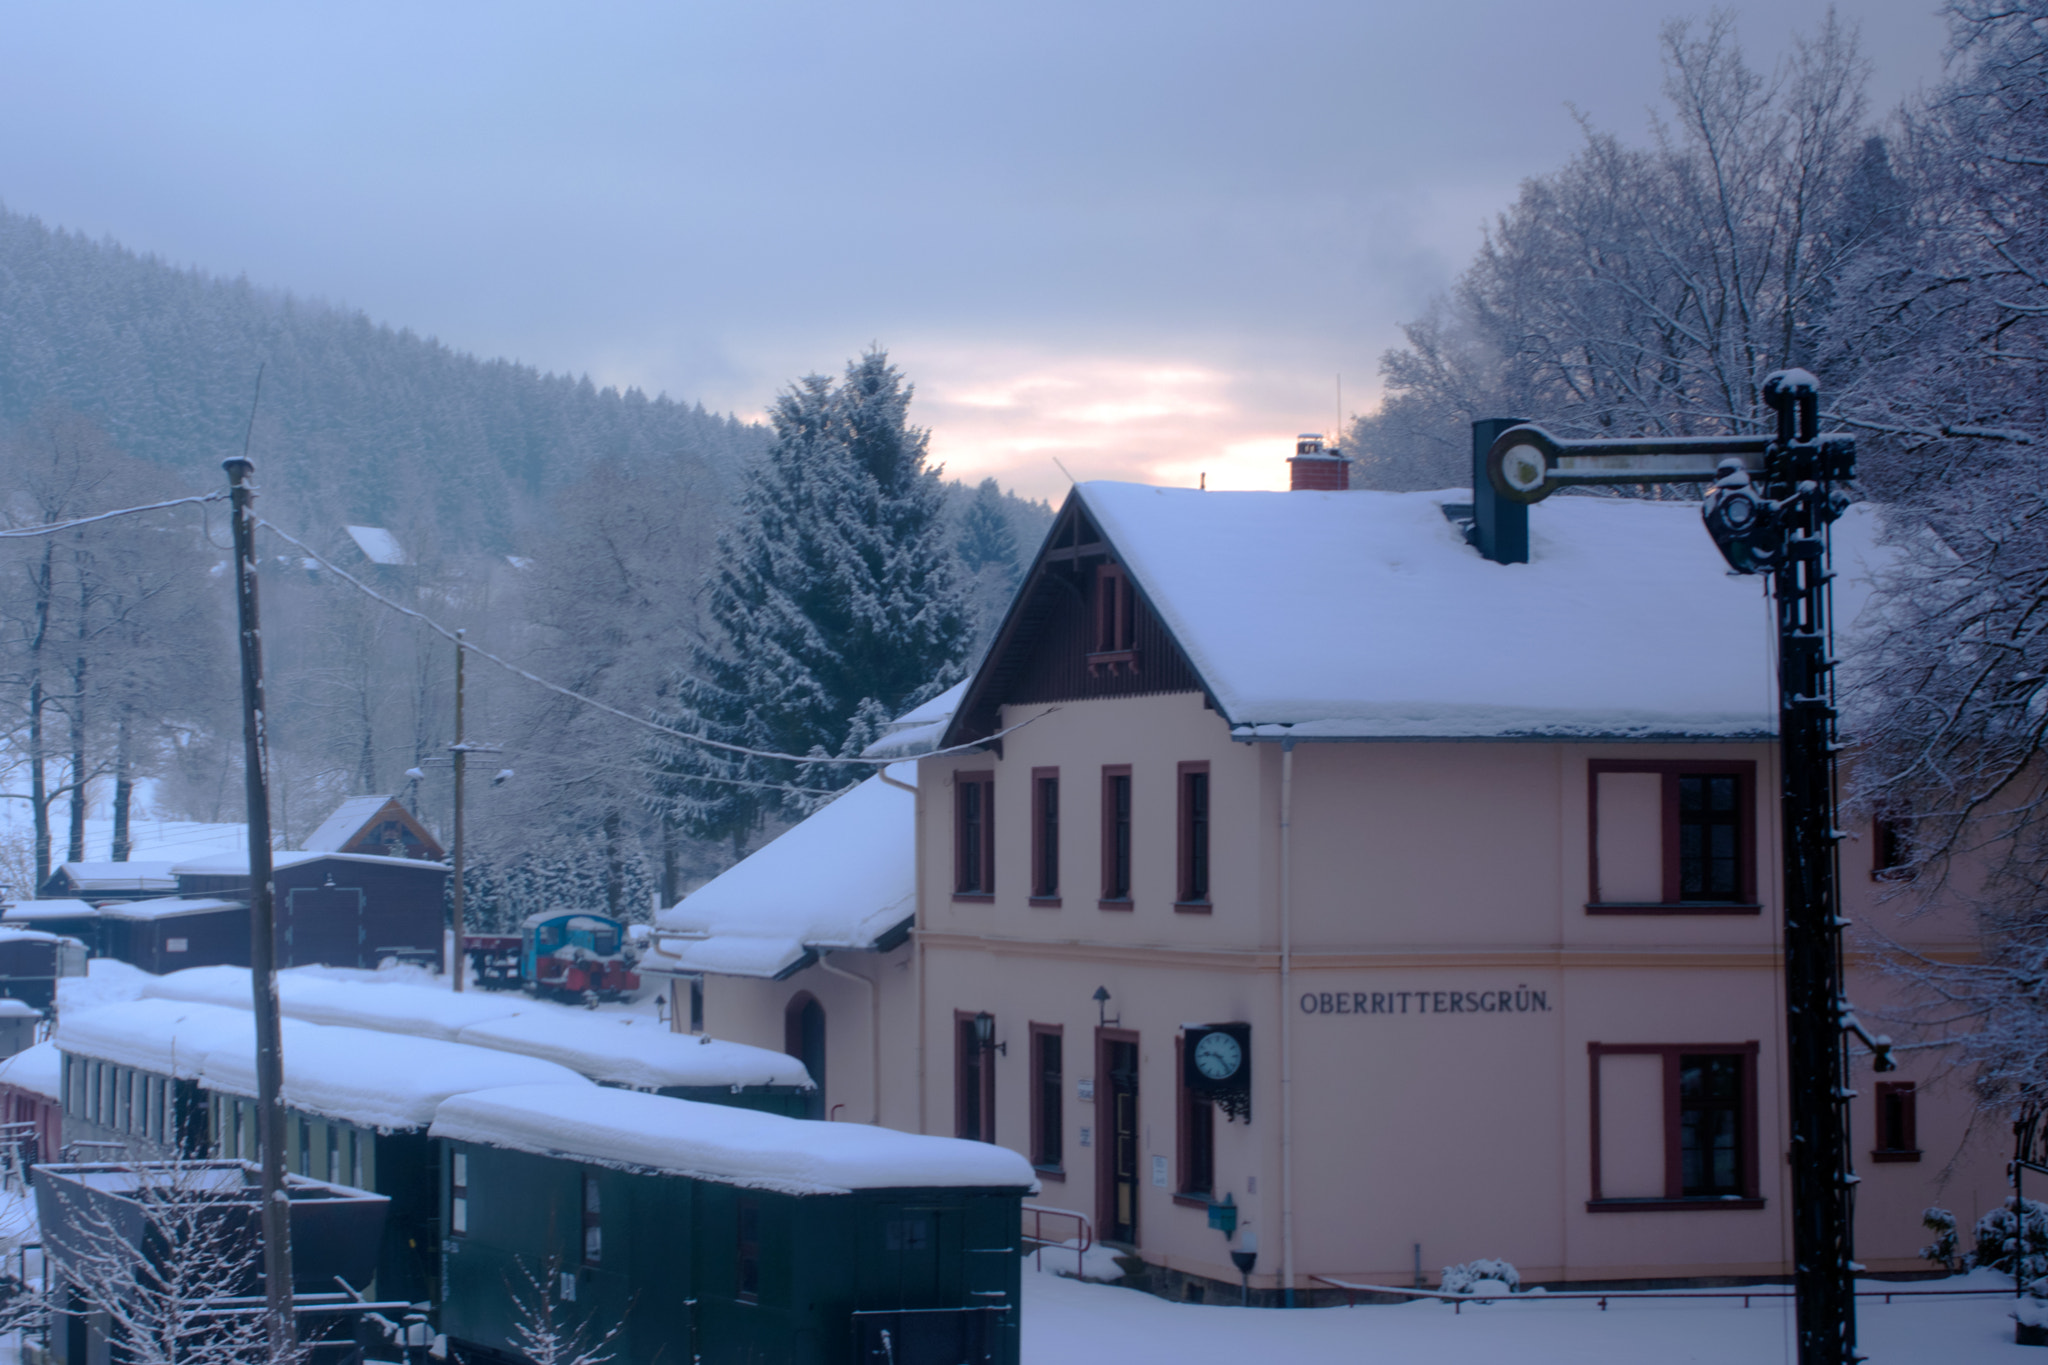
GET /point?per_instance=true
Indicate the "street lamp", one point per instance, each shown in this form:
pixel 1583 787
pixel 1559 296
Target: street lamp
pixel 985 1034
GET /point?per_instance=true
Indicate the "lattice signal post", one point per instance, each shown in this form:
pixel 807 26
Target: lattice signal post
pixel 1769 507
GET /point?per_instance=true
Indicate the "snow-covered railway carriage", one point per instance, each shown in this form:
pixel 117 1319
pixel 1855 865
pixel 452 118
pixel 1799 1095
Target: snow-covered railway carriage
pixel 709 1233
pixel 147 1078
pixel 579 956
pixel 610 1047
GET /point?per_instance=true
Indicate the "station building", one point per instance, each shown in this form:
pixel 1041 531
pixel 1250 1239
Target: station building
pixel 1471 867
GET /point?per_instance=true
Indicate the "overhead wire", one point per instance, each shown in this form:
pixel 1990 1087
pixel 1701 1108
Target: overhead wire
pixel 704 741
pixel 51 528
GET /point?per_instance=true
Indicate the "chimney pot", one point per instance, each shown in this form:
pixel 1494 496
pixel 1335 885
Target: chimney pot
pixel 1313 469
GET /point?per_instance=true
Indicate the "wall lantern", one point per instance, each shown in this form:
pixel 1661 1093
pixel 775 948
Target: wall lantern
pixel 985 1034
pixel 1101 999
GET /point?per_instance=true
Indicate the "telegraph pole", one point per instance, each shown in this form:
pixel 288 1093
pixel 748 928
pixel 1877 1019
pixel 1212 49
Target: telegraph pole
pixel 1771 502
pixel 270 1120
pixel 458 959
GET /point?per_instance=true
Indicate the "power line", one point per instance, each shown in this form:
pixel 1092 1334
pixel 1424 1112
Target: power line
pixel 742 750
pixel 51 528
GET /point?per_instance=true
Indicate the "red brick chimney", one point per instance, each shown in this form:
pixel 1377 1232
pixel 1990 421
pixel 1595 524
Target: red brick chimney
pixel 1316 470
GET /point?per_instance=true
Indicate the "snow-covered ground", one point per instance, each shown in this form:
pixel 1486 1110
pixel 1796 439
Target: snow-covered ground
pixel 1070 1323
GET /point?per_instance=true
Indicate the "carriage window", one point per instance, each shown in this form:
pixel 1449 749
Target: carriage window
pixel 458 1192
pixel 548 936
pixel 333 1154
pixel 750 1251
pixel 603 943
pixel 305 1147
pixel 355 1159
pixel 593 1230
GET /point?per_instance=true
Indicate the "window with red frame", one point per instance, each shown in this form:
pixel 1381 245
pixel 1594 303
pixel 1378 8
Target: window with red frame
pixel 974 834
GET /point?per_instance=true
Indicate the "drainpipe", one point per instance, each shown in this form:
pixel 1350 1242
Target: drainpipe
pixel 1286 1021
pixel 874 1030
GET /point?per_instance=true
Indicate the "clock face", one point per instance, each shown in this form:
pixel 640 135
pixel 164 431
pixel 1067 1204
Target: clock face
pixel 1218 1056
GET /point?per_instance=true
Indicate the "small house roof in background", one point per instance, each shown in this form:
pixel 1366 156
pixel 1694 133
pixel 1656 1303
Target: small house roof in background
pixel 378 545
pixel 20 911
pixel 845 877
pixel 87 878
pixel 352 823
pixel 237 864
pixel 170 907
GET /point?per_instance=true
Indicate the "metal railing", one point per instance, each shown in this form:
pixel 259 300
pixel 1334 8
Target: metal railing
pixel 1458 1301
pixel 1084 1235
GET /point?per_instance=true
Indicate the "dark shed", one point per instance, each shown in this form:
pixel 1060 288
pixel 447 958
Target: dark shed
pixel 32 961
pixel 336 909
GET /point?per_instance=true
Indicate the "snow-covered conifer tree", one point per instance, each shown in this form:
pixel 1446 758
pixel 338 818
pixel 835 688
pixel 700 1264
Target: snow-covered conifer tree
pixel 835 594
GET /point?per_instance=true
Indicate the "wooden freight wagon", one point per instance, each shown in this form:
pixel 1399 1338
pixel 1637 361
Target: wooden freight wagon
pixel 717 1234
pixel 32 1105
pixel 31 964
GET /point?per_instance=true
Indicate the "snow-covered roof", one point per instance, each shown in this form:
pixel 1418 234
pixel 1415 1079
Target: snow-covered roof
pixel 379 1080
pixel 416 1011
pixel 134 876
pixel 237 864
pixel 10 933
pixel 736 1146
pixel 38 1069
pixel 842 878
pixel 18 1009
pixel 378 545
pixel 619 1049
pixel 169 907
pixel 1365 615
pixel 168 1037
pixel 51 909
pixel 344 824
pixel 635 1050
pixel 919 730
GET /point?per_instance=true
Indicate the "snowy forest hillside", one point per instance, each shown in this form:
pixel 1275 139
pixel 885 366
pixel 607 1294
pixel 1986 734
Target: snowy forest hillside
pixel 574 531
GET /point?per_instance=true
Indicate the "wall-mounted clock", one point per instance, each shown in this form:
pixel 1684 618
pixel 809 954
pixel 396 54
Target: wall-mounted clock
pixel 1216 1064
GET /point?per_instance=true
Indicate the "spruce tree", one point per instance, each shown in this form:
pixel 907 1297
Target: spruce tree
pixel 985 537
pixel 835 600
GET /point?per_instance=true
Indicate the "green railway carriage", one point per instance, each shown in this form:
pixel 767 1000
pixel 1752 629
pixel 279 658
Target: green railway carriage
pixel 726 1236
pixel 357 1105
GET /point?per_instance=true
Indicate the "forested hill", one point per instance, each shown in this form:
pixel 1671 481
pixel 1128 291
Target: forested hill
pixel 358 422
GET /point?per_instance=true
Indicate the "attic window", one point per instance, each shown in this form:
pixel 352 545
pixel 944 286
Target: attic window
pixel 1115 622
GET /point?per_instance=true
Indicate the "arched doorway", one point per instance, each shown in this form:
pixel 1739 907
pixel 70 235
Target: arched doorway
pixel 803 1037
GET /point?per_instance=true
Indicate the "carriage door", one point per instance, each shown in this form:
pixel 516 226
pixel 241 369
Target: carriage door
pixel 1116 1108
pixel 324 924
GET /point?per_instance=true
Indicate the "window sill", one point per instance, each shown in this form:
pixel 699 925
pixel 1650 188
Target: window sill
pixel 1050 1172
pixel 1672 908
pixel 1193 908
pixel 1669 1205
pixel 974 897
pixel 1192 1201
pixel 1045 902
pixel 1107 903
pixel 1880 1154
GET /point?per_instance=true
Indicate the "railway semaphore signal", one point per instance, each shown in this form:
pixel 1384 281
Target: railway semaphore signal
pixel 1768 507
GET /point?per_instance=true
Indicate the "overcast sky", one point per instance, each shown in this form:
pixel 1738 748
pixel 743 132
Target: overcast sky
pixel 1145 239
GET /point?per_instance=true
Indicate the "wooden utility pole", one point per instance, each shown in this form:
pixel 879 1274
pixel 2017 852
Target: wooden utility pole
pixel 458 958
pixel 270 1121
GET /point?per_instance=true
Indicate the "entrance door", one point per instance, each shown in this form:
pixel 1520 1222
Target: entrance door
pixel 1117 1130
pixel 323 925
pixel 803 1037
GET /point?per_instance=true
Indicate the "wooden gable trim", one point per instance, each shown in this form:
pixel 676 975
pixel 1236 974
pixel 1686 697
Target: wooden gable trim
pixel 1055 571
pixel 391 810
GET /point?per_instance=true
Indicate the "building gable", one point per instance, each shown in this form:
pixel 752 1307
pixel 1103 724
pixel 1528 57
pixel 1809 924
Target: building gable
pixel 1079 627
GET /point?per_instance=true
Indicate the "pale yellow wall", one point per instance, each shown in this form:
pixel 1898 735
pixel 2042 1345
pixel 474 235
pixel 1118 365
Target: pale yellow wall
pixel 750 1010
pixel 1440 866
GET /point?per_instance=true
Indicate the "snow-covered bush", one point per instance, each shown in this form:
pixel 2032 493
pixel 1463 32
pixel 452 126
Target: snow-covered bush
pixel 2014 1238
pixel 1483 1276
pixel 1944 1250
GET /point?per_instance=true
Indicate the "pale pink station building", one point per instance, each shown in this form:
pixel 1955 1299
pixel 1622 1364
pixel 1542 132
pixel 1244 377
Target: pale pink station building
pixel 1291 863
